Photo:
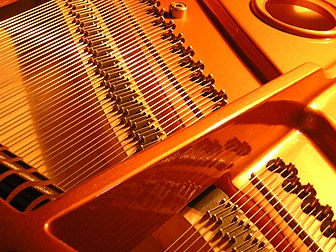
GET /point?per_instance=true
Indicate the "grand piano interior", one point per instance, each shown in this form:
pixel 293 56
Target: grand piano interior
pixel 145 125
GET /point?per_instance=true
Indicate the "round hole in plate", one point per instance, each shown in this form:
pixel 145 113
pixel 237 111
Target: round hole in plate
pixel 310 18
pixel 301 14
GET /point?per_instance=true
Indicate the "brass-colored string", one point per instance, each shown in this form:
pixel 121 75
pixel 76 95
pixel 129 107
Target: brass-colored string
pixel 123 24
pixel 34 66
pixel 163 49
pixel 108 156
pixel 8 129
pixel 45 122
pixel 63 28
pixel 195 115
pixel 25 39
pixel 270 190
pixel 174 58
pixel 79 160
pixel 10 91
pixel 159 108
pixel 71 57
pixel 40 63
pixel 318 239
pixel 292 218
pixel 269 230
pixel 115 14
pixel 199 221
pixel 189 248
pixel 288 212
pixel 297 235
pixel 23 47
pixel 293 208
pixel 25 31
pixel 70 119
pixel 311 232
pixel 285 216
pixel 69 139
pixel 330 238
pixel 110 9
pixel 196 231
pixel 333 246
pixel 131 38
pixel 37 11
pixel 26 59
pixel 256 203
pixel 97 142
pixel 144 14
pixel 144 146
pixel 211 246
pixel 282 208
pixel 320 235
pixel 240 198
pixel 189 237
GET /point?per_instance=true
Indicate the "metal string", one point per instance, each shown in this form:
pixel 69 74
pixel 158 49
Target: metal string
pixel 297 236
pixel 270 190
pixel 22 149
pixel 327 241
pixel 200 221
pixel 39 82
pixel 102 139
pixel 256 203
pixel 293 217
pixel 63 106
pixel 118 30
pixel 35 11
pixel 111 154
pixel 24 34
pixel 52 69
pixel 240 198
pixel 74 77
pixel 125 45
pixel 68 18
pixel 26 52
pixel 272 218
pixel 309 233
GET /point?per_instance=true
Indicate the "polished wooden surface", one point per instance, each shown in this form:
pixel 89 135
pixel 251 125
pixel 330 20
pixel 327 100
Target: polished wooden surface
pixel 6 2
